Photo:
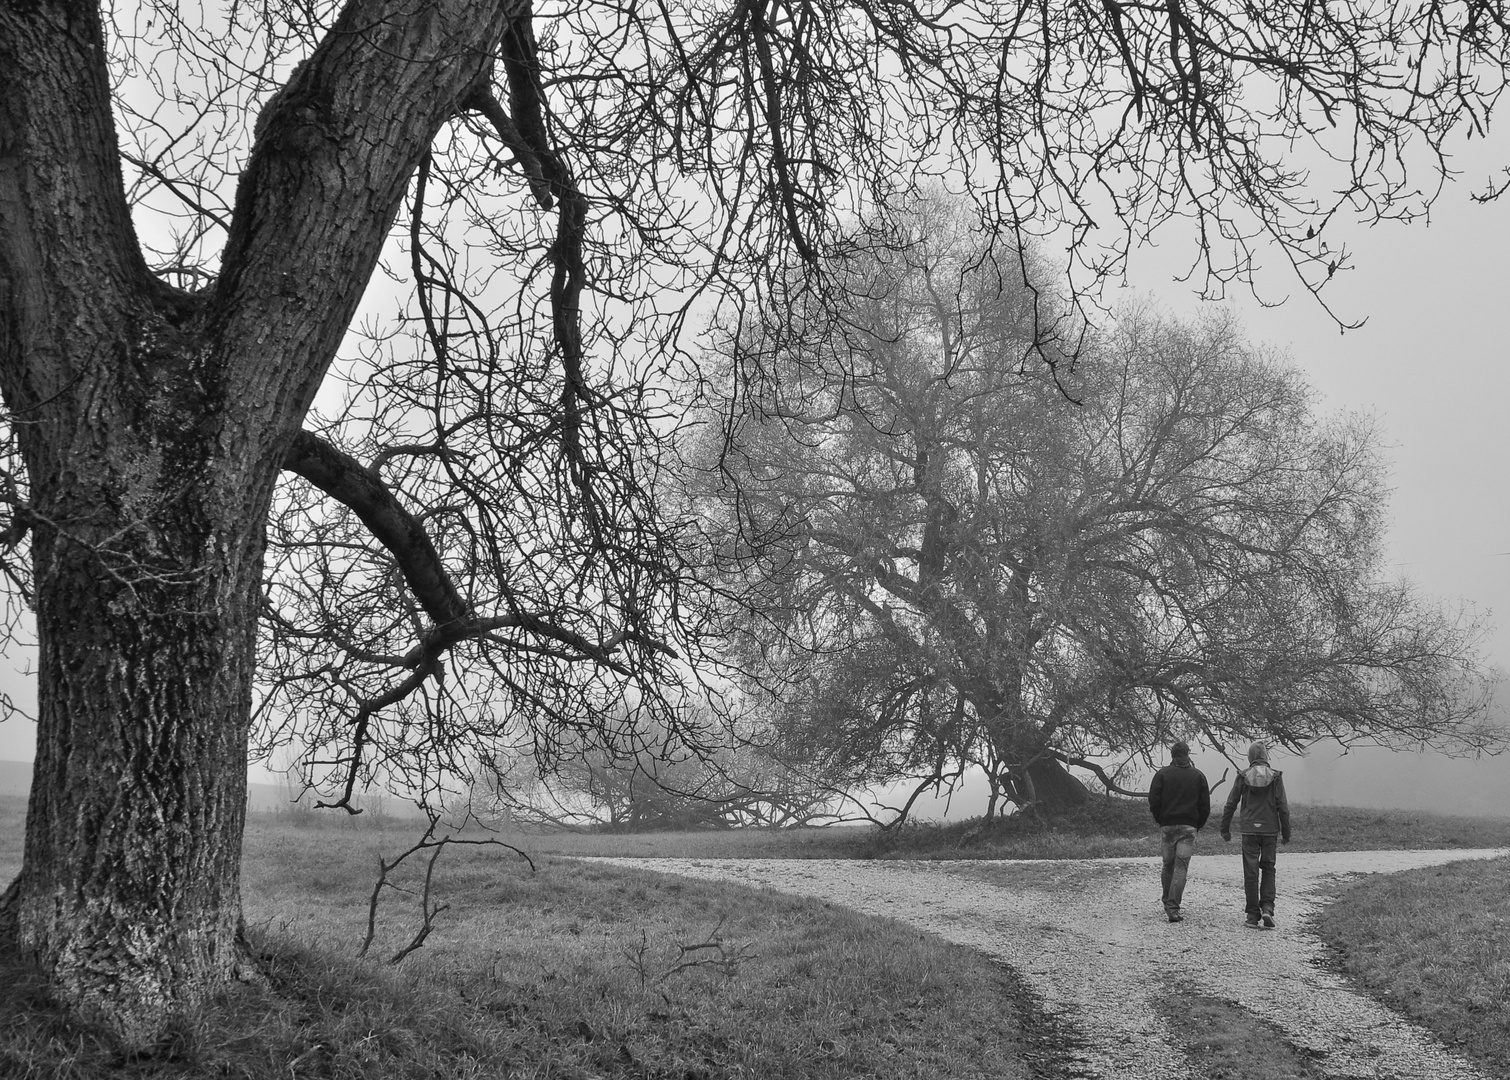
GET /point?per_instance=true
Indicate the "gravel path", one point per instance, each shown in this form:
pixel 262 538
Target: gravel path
pixel 1091 940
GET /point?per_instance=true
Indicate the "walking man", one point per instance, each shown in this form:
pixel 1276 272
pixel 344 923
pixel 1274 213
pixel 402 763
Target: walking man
pixel 1264 818
pixel 1180 800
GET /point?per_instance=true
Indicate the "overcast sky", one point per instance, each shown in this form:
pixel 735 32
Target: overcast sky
pixel 1433 364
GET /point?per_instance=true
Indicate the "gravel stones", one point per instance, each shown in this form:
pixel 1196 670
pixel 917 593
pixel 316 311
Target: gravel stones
pixel 1090 938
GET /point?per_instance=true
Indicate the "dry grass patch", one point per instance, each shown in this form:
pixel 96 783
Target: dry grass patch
pixel 579 970
pixel 621 973
pixel 1224 1041
pixel 1431 944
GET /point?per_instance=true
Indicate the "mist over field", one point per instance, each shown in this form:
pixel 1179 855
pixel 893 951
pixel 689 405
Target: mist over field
pixel 1329 775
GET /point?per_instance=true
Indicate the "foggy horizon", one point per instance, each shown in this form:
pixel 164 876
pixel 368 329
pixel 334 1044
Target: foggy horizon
pixel 1429 364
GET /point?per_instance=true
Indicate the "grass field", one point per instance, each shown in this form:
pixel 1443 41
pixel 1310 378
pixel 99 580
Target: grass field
pixel 573 970
pixel 1432 944
pixel 576 970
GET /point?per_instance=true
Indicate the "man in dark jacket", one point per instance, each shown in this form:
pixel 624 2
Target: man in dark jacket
pixel 1180 800
pixel 1264 819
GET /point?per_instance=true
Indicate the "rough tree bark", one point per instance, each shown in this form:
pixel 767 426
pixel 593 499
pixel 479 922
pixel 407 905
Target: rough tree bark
pixel 152 424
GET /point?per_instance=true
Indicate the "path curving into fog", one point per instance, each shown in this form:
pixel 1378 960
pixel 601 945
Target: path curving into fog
pixel 1095 946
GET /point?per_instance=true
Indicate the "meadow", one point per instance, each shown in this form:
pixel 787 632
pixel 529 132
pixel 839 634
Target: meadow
pixel 541 965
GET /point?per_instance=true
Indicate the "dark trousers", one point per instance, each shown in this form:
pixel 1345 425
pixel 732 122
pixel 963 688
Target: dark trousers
pixel 1178 846
pixel 1258 871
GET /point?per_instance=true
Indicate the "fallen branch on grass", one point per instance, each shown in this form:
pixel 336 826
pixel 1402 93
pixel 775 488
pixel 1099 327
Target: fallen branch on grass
pixel 712 953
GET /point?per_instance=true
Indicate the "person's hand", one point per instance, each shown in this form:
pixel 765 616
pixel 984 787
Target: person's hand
pixel 1227 835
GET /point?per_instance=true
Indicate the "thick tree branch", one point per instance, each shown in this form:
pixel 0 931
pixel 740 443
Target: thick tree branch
pixel 526 157
pixel 776 121
pixel 344 479
pixel 363 491
pixel 67 244
pixel 1091 766
pixel 360 489
pixel 334 153
pixel 521 65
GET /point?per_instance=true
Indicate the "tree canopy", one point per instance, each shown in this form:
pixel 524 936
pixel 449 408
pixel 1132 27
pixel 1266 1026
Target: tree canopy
pixel 956 556
pixel 194 203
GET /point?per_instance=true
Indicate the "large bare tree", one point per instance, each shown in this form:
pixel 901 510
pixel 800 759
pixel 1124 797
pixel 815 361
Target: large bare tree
pixel 193 204
pixel 955 556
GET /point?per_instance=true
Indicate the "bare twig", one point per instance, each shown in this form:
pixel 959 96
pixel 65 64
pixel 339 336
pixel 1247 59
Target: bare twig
pixel 428 909
pixel 713 953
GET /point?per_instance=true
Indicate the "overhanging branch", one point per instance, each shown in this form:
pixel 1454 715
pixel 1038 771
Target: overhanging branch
pixel 1091 766
pixel 403 535
pixel 347 481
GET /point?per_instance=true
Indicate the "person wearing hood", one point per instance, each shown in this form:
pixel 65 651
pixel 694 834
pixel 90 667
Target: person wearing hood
pixel 1264 823
pixel 1180 800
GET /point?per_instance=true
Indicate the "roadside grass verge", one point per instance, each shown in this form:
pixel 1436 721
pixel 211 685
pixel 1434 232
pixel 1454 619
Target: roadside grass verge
pixel 1431 944
pixel 573 971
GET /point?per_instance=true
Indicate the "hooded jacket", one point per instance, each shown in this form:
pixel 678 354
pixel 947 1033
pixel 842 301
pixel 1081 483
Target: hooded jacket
pixel 1179 795
pixel 1260 792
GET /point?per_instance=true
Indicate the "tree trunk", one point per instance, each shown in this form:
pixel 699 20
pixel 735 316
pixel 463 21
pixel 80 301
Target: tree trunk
pixel 147 549
pixel 1015 738
pixel 149 470
pixel 1055 789
pixel 152 424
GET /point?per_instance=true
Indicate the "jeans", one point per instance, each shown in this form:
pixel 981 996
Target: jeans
pixel 1178 846
pixel 1258 872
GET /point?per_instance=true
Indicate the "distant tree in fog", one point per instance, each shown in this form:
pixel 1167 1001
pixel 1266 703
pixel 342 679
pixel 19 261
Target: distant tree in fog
pixel 955 555
pixel 727 788
pixel 657 785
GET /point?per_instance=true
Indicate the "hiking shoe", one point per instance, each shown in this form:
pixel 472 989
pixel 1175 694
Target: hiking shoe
pixel 1252 922
pixel 1175 916
pixel 1268 920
